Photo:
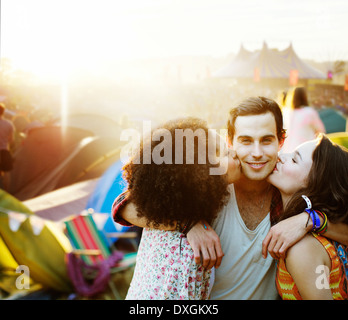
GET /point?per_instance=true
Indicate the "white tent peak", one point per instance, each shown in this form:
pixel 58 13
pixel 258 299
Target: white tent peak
pixel 271 63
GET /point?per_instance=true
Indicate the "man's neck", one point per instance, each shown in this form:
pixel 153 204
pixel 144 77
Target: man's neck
pixel 252 186
pixel 253 200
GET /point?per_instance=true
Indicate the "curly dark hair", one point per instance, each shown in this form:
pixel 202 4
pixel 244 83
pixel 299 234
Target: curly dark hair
pixel 177 189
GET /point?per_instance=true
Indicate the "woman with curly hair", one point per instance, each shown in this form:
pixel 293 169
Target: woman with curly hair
pixel 181 184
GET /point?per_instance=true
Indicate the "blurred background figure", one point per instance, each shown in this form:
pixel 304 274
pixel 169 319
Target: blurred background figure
pixel 6 138
pixel 301 120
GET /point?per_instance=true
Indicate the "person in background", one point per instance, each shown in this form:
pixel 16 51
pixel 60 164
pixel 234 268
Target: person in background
pixel 314 178
pixel 302 121
pixel 6 138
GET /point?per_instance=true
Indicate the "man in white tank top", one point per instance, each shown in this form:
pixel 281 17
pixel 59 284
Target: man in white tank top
pixel 256 133
pixel 244 273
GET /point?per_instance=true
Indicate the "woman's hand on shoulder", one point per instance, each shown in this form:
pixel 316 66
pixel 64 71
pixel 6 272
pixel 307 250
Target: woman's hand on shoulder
pixel 283 235
pixel 206 245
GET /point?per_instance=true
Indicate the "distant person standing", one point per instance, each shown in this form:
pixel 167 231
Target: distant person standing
pixel 6 138
pixel 303 122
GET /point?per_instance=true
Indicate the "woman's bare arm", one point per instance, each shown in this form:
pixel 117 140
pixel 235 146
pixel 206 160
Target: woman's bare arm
pixel 308 263
pixel 286 233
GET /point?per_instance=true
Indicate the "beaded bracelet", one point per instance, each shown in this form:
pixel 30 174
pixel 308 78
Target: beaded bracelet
pixel 314 216
pixel 183 229
pixel 323 227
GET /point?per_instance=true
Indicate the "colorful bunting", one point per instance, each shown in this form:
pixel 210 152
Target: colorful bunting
pixel 15 220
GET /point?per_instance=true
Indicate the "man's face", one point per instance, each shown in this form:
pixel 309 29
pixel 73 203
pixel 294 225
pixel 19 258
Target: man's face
pixel 257 145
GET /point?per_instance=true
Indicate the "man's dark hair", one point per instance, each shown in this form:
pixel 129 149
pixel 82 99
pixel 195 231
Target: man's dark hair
pixel 256 106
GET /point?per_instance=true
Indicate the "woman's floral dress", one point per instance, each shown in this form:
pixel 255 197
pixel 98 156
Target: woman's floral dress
pixel 163 271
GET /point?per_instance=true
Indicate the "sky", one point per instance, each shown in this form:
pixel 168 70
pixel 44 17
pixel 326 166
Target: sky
pixel 55 36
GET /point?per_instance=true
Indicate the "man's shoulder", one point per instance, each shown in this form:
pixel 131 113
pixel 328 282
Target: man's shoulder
pixel 226 209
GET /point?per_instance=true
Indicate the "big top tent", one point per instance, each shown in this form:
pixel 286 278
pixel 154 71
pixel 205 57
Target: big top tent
pixel 268 64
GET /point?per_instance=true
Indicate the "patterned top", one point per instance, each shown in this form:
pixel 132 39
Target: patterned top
pixel 288 290
pixel 165 269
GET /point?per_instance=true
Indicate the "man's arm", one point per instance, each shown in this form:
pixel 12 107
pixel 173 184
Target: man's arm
pixel 286 233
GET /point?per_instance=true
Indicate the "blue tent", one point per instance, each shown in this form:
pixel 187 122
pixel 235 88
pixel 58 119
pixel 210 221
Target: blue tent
pixel 110 185
pixel 333 120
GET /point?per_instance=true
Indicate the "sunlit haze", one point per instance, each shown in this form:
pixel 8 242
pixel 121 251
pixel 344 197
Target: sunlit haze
pixel 149 58
pixel 82 79
pixel 50 38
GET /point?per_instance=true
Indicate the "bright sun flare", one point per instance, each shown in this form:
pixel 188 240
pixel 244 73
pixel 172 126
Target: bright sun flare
pixel 65 35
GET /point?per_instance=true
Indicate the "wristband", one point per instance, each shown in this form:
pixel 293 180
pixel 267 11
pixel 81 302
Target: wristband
pixel 309 203
pixel 315 219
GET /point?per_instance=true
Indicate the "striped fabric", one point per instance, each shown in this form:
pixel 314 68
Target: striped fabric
pixel 84 235
pixel 338 282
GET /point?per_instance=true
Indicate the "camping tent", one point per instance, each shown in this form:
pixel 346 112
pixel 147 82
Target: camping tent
pixel 269 63
pixel 333 120
pixel 109 186
pixel 99 125
pixel 52 157
pixel 61 203
pixel 97 194
pixel 27 241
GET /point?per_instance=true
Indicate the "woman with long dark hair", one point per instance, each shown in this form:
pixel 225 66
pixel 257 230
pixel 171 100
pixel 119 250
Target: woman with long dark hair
pixel 314 178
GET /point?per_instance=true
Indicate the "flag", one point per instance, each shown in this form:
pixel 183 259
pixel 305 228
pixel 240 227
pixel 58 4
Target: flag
pixel 293 80
pixel 256 75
